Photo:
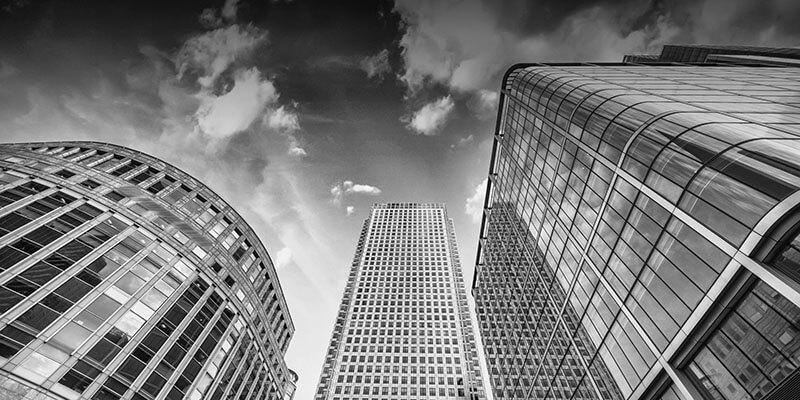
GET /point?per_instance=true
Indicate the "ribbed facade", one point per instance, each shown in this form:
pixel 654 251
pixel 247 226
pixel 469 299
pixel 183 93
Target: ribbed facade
pixel 403 330
pixel 706 54
pixel 122 277
pixel 639 238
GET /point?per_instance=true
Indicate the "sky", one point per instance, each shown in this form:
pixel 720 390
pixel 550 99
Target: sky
pixel 301 114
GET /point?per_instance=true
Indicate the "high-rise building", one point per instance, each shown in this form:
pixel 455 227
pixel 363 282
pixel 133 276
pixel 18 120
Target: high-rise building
pixel 735 55
pixel 122 277
pixel 403 329
pixel 640 233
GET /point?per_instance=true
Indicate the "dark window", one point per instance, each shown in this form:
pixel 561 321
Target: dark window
pixel 90 184
pixel 65 173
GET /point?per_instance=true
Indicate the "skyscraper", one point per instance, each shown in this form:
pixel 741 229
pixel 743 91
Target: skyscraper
pixel 403 330
pixel 735 55
pixel 640 233
pixel 122 277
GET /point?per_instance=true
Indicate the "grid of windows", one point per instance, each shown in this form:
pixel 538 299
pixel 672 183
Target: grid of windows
pixel 622 199
pixel 403 330
pixel 121 277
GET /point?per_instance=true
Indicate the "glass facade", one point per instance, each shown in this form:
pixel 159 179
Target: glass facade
pixel 122 277
pixel 737 55
pixel 403 330
pixel 624 203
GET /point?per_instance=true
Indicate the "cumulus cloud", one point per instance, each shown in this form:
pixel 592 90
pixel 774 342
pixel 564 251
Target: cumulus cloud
pixel 283 257
pixel 213 52
pixel 377 65
pixel 474 205
pixel 456 43
pixel 429 119
pixel 350 210
pixel 350 187
pixel 339 191
pixel 465 45
pixel 233 112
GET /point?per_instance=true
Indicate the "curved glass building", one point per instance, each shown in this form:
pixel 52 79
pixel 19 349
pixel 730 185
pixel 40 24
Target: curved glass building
pixel 640 233
pixel 122 277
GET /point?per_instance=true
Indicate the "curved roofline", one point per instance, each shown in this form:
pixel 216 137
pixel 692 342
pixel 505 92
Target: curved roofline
pixel 79 142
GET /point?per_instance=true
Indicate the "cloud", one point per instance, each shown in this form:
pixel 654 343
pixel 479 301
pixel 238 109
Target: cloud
pixel 294 148
pixel 228 114
pixel 350 210
pixel 229 10
pixel 339 191
pixel 463 141
pixel 465 45
pixel 287 122
pixel 456 43
pixel 283 257
pixel 350 187
pixel 431 117
pixel 377 65
pixel 282 120
pixel 474 205
pixel 210 19
pixel 212 53
pixel 487 99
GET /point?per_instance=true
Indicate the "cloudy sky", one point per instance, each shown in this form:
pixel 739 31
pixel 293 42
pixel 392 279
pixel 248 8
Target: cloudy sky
pixel 301 114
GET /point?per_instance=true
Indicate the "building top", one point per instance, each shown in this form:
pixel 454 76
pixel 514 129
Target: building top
pixel 408 205
pixel 735 109
pixel 768 56
pixel 156 175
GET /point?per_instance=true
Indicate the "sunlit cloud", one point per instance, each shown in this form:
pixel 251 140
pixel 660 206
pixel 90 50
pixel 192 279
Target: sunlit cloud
pixel 429 119
pixel 282 257
pixel 233 112
pixel 474 205
pixel 340 190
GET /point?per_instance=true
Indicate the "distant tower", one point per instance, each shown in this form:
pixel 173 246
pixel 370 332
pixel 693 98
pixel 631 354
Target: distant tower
pixel 403 330
pixel 640 234
pixel 122 277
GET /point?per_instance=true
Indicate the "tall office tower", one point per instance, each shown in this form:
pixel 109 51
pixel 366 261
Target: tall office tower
pixel 122 277
pixel 403 330
pixel 737 55
pixel 640 233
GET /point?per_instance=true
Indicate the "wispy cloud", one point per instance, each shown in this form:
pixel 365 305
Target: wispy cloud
pixel 213 52
pixel 377 66
pixel 429 119
pixel 463 141
pixel 281 119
